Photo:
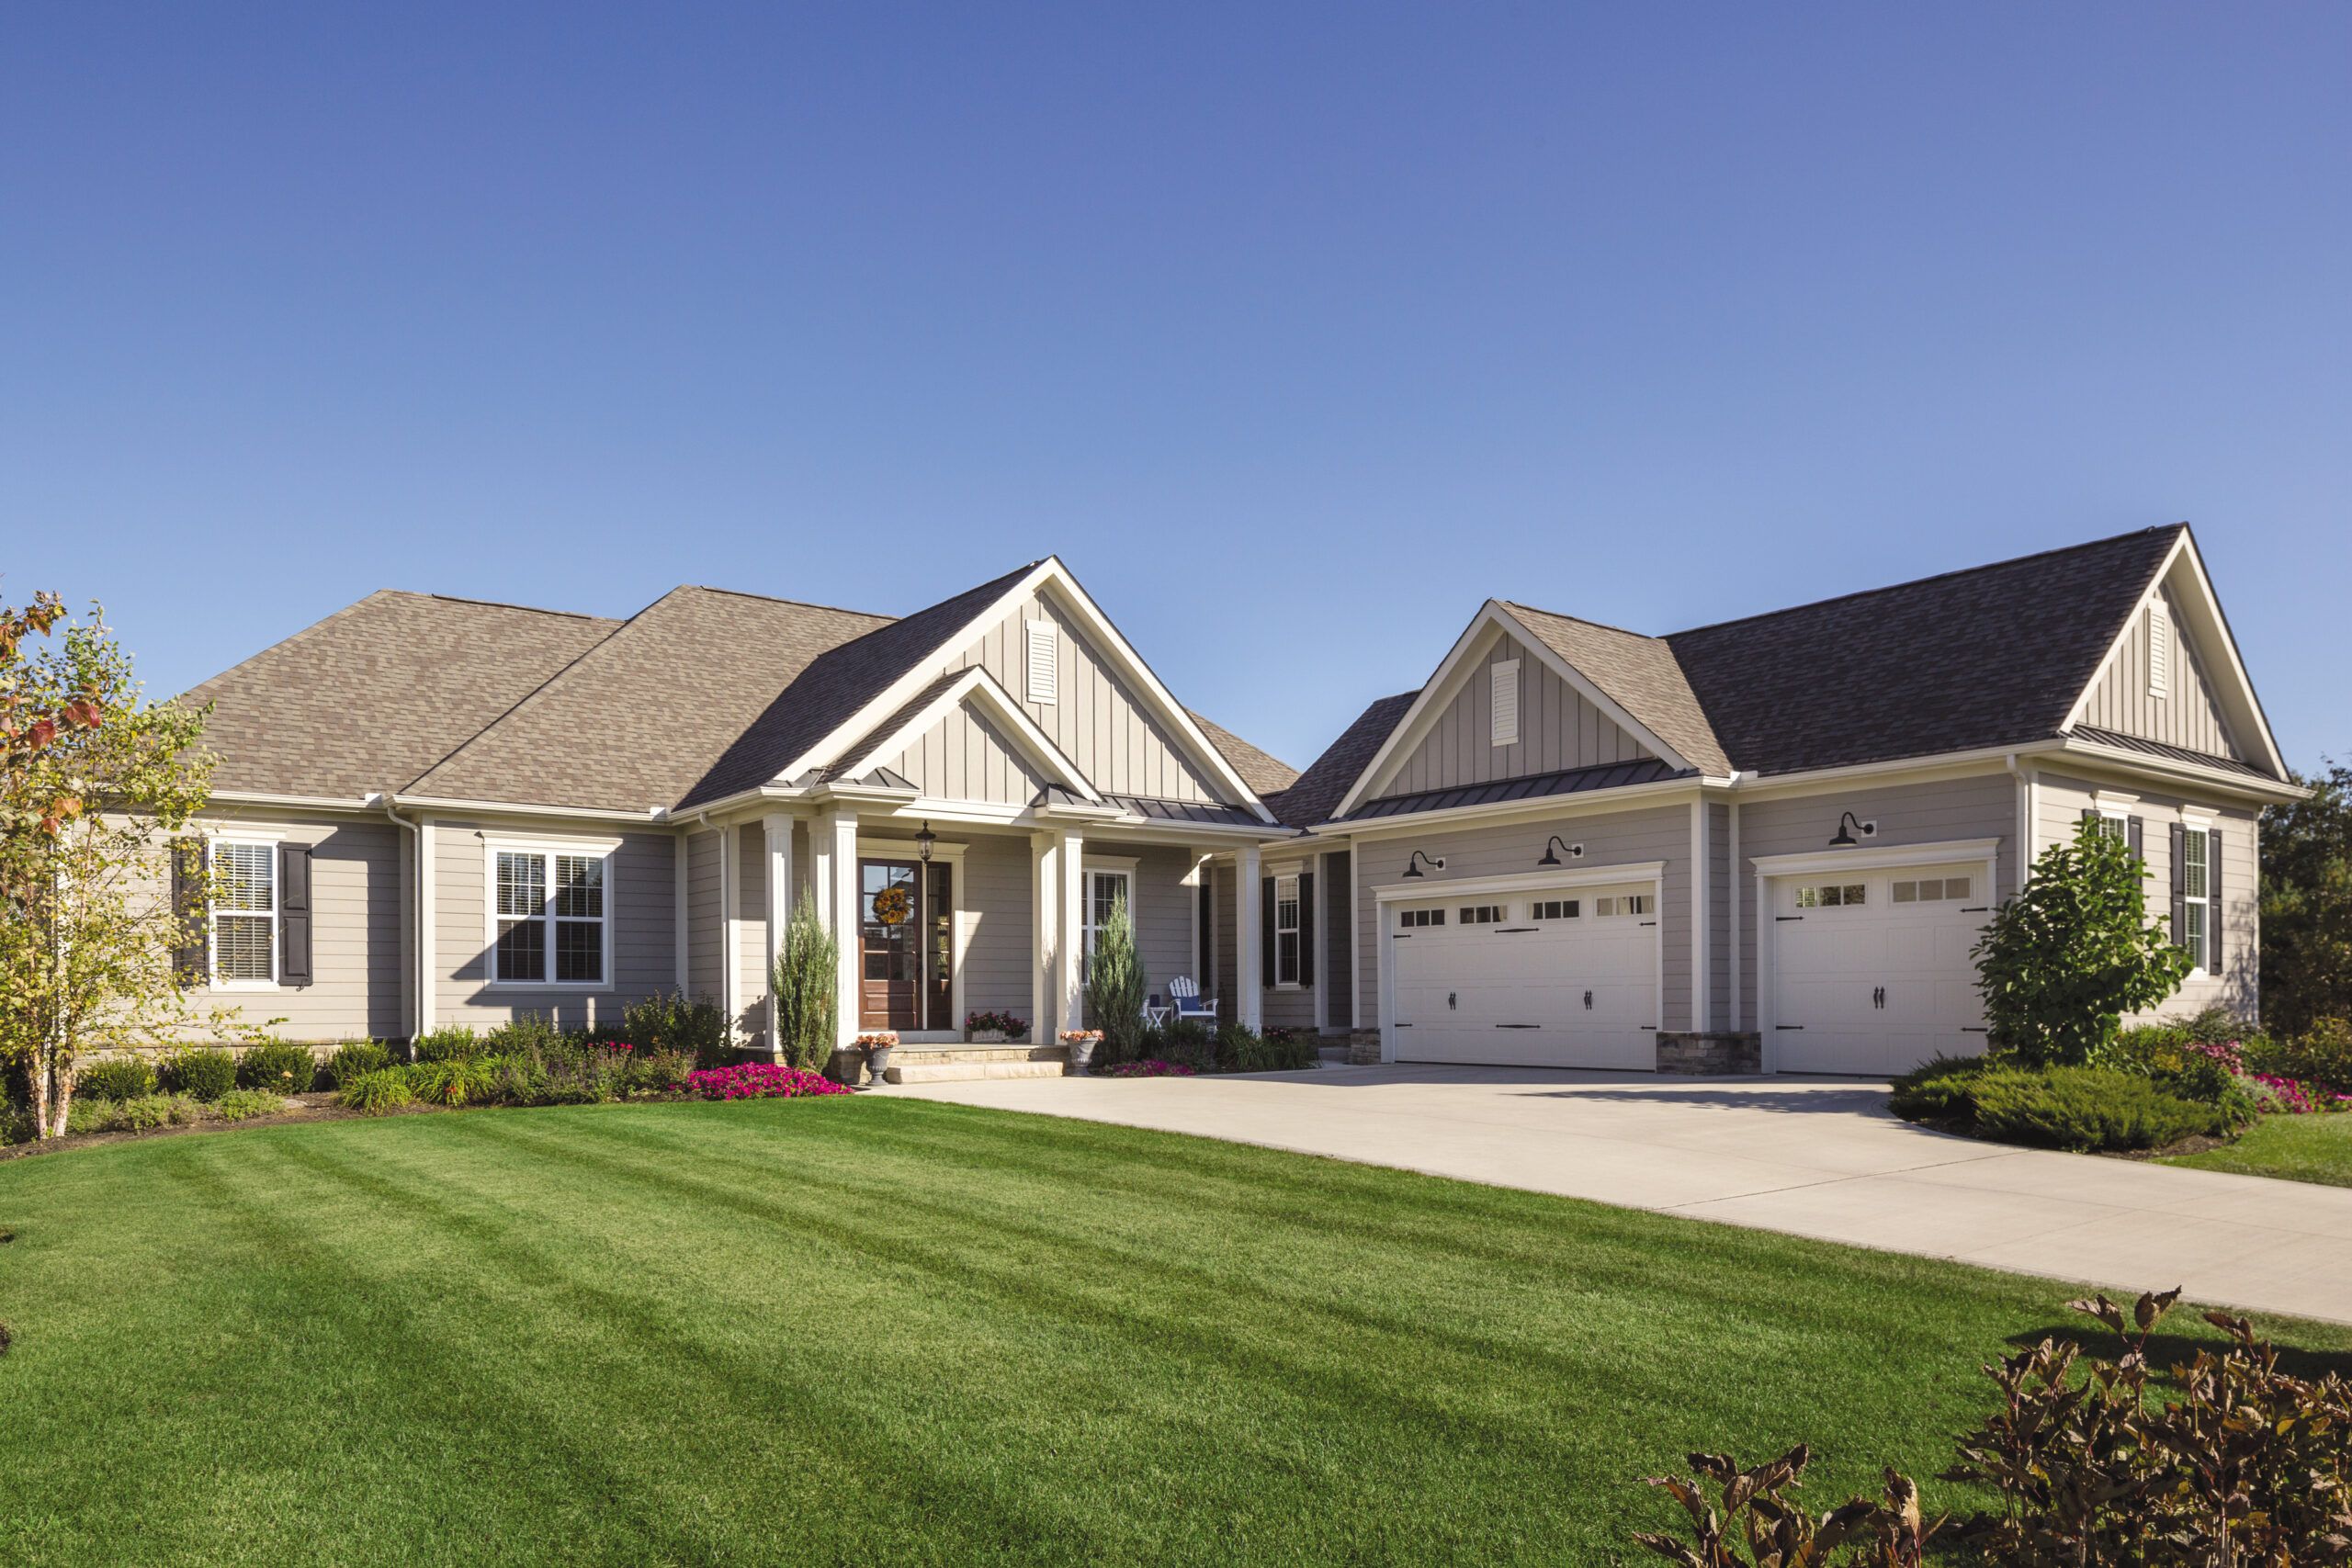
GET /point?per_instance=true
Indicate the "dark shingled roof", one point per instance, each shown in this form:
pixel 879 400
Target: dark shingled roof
pixel 1639 674
pixel 1264 774
pixel 1326 783
pixel 1992 656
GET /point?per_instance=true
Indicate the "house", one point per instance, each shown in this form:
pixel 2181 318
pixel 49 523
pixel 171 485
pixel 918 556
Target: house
pixel 1770 843
pixel 1764 844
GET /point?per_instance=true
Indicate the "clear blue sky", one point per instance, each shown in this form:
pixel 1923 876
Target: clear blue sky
pixel 1296 332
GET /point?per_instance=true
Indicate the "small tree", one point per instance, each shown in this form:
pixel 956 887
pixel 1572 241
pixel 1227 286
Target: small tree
pixel 2307 905
pixel 808 969
pixel 2062 961
pixel 1115 985
pixel 91 944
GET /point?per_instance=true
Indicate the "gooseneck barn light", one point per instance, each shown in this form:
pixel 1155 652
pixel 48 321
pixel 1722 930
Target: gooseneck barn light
pixel 1845 841
pixel 1552 851
pixel 1412 866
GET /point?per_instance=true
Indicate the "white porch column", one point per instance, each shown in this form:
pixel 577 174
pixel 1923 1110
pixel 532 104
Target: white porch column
pixel 1070 904
pixel 842 828
pixel 1042 929
pixel 1249 970
pixel 778 828
pixel 730 941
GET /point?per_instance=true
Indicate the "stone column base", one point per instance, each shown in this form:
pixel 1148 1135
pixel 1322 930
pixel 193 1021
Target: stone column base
pixel 1710 1054
pixel 1363 1048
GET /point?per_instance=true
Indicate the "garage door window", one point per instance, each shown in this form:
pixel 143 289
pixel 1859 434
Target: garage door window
pixel 1833 896
pixel 1557 909
pixel 1931 890
pixel 1410 920
pixel 1623 903
pixel 1483 914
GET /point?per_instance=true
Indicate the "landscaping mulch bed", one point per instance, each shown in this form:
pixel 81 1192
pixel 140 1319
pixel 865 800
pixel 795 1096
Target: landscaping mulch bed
pixel 299 1108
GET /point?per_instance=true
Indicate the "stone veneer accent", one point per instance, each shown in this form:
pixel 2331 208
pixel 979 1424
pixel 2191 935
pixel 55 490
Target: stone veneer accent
pixel 1363 1048
pixel 1711 1055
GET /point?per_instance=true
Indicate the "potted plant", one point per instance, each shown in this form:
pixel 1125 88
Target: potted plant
pixel 993 1028
pixel 877 1045
pixel 1082 1044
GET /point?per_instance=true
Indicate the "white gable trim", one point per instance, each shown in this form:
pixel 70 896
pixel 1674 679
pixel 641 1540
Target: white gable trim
pixel 1456 669
pixel 1156 697
pixel 2197 611
pixel 981 690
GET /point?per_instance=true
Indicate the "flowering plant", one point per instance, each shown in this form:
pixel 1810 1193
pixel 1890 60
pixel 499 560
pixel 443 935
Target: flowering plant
pixel 2299 1098
pixel 759 1080
pixel 878 1039
pixel 1000 1022
pixel 1079 1036
pixel 1150 1067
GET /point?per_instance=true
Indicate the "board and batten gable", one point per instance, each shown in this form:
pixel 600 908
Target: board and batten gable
pixel 965 756
pixel 1978 805
pixel 1619 838
pixel 359 918
pixel 1558 729
pixel 1095 719
pixel 2123 697
pixel 2061 802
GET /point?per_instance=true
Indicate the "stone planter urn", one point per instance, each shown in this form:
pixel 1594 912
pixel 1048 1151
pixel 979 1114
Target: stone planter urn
pixel 879 1049
pixel 1080 1044
pixel 988 1037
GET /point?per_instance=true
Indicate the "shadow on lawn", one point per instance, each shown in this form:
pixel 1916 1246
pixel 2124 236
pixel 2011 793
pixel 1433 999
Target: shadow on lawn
pixel 2166 1351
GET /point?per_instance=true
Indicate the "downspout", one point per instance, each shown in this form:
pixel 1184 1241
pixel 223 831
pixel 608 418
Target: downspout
pixel 2025 823
pixel 420 972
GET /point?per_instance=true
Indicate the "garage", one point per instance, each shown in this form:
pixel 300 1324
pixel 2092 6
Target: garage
pixel 1871 968
pixel 1555 977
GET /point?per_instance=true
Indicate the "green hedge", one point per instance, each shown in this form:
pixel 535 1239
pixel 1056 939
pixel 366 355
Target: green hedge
pixel 2090 1110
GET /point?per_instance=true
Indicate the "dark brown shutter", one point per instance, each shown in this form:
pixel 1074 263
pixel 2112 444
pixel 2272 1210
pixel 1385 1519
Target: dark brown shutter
pixel 1306 928
pixel 2133 830
pixel 188 910
pixel 1208 976
pixel 293 914
pixel 2213 903
pixel 1266 930
pixel 2179 884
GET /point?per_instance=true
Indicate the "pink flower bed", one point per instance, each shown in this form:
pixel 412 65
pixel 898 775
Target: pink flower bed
pixel 2300 1098
pixel 759 1080
pixel 1150 1067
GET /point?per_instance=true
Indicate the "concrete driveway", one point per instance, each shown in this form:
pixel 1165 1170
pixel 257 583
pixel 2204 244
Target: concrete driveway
pixel 1816 1157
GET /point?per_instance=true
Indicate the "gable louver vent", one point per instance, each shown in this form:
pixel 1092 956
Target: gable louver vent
pixel 1044 676
pixel 1503 704
pixel 2159 650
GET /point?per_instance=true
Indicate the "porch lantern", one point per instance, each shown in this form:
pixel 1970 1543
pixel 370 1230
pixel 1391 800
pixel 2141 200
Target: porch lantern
pixel 923 840
pixel 1845 841
pixel 1412 868
pixel 1552 849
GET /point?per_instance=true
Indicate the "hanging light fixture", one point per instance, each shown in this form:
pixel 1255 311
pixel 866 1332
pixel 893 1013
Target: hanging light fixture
pixel 1845 841
pixel 1552 849
pixel 1413 870
pixel 923 840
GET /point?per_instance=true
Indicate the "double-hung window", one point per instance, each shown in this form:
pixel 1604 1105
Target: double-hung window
pixel 244 913
pixel 1286 931
pixel 2196 897
pixel 549 916
pixel 1105 891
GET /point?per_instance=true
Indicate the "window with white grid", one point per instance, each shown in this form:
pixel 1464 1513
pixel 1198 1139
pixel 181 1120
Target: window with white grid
pixel 244 913
pixel 548 914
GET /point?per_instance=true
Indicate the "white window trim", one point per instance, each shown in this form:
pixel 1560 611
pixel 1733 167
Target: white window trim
pixel 1296 928
pixel 1091 866
pixel 2199 831
pixel 1497 733
pixel 212 912
pixel 607 849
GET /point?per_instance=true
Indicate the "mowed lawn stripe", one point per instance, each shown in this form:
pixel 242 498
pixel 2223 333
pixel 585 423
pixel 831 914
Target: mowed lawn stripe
pixel 886 1331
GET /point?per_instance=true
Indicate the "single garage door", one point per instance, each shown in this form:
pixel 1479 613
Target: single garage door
pixel 1872 970
pixel 1566 978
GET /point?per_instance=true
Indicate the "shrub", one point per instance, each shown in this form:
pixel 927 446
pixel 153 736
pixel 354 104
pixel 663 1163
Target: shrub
pixel 2062 961
pixel 454 1080
pixel 446 1044
pixel 2084 1109
pixel 1150 1067
pixel 1010 1025
pixel 386 1088
pixel 807 968
pixel 656 1072
pixel 1115 985
pixel 355 1058
pixel 139 1114
pixel 2321 1054
pixel 240 1104
pixel 119 1077
pixel 1760 1522
pixel 2296 1098
pixel 760 1080
pixel 200 1072
pixel 1242 1050
pixel 1185 1041
pixel 279 1066
pixel 696 1028
pixel 528 1032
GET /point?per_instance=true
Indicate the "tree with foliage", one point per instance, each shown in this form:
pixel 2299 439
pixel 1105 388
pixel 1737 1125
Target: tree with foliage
pixel 91 941
pixel 2062 962
pixel 808 976
pixel 1115 985
pixel 2307 905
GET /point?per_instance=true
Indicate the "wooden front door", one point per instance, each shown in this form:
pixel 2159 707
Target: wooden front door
pixel 890 943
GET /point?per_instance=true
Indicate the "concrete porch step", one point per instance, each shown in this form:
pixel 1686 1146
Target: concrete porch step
pixel 1332 1055
pixel 969 1051
pixel 927 1068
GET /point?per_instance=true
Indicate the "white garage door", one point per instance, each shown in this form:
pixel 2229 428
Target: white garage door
pixel 1564 978
pixel 1872 970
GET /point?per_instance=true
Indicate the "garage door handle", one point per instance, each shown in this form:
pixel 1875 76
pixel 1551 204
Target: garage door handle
pixel 1797 1026
pixel 1512 931
pixel 1788 917
pixel 1964 1030
pixel 1649 923
pixel 1519 1026
pixel 1978 909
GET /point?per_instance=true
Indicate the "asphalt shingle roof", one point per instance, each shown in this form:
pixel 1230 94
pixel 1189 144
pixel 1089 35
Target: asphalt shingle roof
pixel 1264 774
pixel 1639 674
pixel 1320 790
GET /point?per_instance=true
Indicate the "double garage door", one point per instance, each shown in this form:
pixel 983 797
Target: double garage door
pixel 1565 978
pixel 1871 971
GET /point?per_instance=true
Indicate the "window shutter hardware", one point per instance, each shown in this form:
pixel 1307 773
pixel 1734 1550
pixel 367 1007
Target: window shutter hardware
pixel 1587 1001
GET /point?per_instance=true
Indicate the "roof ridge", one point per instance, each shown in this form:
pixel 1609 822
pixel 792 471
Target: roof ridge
pixel 512 708
pixel 780 599
pixel 491 603
pixel 1581 620
pixel 1931 577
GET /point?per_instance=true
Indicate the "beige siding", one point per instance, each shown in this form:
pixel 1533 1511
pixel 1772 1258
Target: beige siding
pixel 2061 804
pixel 1097 720
pixel 1984 806
pixel 2187 717
pixel 358 902
pixel 640 896
pixel 1293 1008
pixel 704 974
pixel 1649 833
pixel 997 906
pixel 1720 894
pixel 1558 730
pixel 965 757
pixel 1227 922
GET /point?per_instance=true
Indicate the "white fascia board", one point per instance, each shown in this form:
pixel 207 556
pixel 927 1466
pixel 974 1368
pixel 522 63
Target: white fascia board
pixel 1898 770
pixel 658 814
pixel 1520 882
pixel 1948 852
pixel 371 804
pixel 1631 798
pixel 978 686
pixel 1454 670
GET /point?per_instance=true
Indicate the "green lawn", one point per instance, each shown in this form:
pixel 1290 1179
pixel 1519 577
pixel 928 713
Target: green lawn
pixel 2297 1148
pixel 884 1331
